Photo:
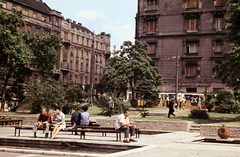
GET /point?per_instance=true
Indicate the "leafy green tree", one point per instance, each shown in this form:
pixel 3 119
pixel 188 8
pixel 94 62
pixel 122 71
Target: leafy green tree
pixel 227 102
pixel 19 52
pixel 209 99
pixel 130 65
pixel 229 72
pixel 49 94
pixel 74 94
pixel 149 92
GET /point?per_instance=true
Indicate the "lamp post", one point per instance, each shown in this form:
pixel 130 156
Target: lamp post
pixel 205 93
pixel 176 88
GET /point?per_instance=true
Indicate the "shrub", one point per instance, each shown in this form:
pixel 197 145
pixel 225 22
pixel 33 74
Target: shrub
pixel 201 114
pixel 227 102
pixel 119 105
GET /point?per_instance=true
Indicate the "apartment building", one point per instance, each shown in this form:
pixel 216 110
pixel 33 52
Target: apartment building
pixel 196 28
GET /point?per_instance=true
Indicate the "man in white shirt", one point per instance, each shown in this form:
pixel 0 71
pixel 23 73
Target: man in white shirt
pixel 123 124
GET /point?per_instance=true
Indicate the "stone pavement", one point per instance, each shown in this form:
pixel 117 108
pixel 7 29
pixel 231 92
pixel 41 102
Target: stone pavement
pixel 175 144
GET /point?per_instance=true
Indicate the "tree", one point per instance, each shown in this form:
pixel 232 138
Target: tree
pixel 148 91
pixel 130 65
pixel 74 93
pixel 229 72
pixel 19 52
pixel 227 102
pixel 49 94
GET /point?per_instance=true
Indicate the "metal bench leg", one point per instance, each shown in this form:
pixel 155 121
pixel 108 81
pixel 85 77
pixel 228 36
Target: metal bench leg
pixel 84 135
pixel 105 134
pixel 120 134
pixel 116 136
pixel 102 133
pixel 15 132
pixel 80 135
pixel 19 132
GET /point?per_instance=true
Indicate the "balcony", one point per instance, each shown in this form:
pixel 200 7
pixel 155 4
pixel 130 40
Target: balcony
pixel 65 66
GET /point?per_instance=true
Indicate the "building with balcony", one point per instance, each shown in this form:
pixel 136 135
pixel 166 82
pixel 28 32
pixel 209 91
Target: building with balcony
pixel 196 28
pixel 76 58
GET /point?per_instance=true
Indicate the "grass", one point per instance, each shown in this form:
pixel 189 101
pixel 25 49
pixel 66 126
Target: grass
pixel 214 118
pixel 93 112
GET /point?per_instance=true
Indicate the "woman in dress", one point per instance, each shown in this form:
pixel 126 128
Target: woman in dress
pixel 61 125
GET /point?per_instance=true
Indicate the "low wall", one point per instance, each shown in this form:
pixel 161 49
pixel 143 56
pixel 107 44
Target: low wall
pixel 152 125
pixel 26 120
pixel 212 131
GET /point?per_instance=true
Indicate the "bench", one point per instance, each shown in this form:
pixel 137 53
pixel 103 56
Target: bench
pixel 82 135
pixel 105 128
pixel 5 121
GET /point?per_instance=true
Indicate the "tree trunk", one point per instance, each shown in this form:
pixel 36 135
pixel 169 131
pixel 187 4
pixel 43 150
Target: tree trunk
pixel 4 91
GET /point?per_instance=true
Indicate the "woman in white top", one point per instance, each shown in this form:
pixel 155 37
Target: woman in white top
pixel 84 116
pixel 61 125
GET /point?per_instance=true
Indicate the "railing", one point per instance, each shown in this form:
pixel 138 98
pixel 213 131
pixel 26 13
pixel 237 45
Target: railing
pixel 65 66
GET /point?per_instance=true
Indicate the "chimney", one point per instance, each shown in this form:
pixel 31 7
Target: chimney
pixel 68 20
pixel 74 22
pixel 79 24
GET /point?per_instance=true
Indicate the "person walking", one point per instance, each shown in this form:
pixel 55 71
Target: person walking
pixel 44 121
pixel 170 106
pixel 110 106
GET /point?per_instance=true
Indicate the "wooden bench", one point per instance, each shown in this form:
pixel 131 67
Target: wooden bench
pixel 5 121
pixel 82 135
pixel 105 128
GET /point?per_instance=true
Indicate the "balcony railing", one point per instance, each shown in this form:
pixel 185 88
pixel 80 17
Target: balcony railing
pixel 65 66
pixel 151 7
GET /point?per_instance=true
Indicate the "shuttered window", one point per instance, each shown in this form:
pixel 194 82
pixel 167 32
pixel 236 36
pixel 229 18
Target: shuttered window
pixel 219 2
pixel 151 26
pixel 151 5
pixel 191 70
pixel 192 3
pixel 152 49
pixel 218 46
pixel 192 24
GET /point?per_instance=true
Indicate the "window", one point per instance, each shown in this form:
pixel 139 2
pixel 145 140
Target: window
pixel 47 32
pixel 95 80
pixel 71 64
pixel 86 81
pixel 82 40
pixel 76 78
pixel 216 90
pixel 81 66
pixel 44 19
pixel 82 54
pixel 218 23
pixel 81 80
pixel 34 16
pixel 37 30
pixel 14 7
pixel 4 5
pixel 152 49
pixel 191 90
pixel 192 3
pixel 191 70
pixel 77 39
pixel 151 26
pixel 87 42
pixel 65 36
pixel 86 67
pixel 25 12
pixel 27 27
pixel 192 48
pixel 76 65
pixel 72 37
pixel 219 2
pixel 151 5
pixel 192 24
pixel 218 46
pixel 56 23
pixel 86 55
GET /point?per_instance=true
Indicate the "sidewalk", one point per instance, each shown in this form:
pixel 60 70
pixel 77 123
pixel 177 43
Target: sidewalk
pixel 175 144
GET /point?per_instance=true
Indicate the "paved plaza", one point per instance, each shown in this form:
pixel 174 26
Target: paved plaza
pixel 175 144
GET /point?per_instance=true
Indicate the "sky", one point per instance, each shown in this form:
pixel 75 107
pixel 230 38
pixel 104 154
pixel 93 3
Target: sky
pixel 115 17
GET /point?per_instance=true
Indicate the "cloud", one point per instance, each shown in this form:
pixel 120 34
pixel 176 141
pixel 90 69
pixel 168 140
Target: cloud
pixel 92 15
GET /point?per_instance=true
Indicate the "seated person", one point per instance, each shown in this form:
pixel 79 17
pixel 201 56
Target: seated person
pixel 45 121
pixel 61 125
pixel 84 116
pixel 123 124
pixel 75 119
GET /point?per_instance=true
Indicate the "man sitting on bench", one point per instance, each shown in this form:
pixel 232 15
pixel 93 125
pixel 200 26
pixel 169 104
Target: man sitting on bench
pixel 45 121
pixel 123 124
